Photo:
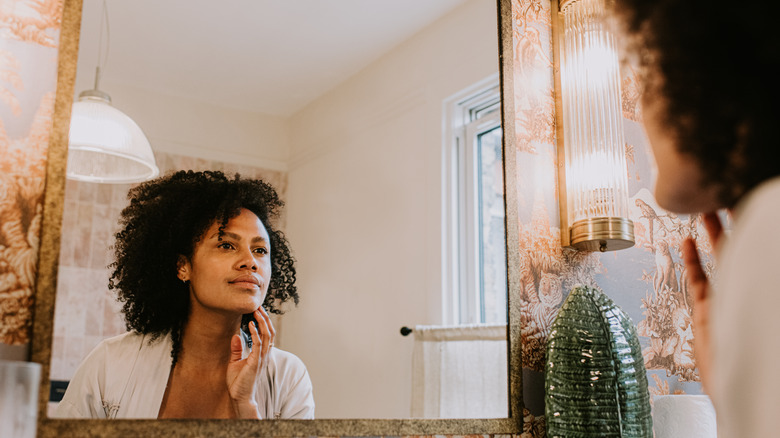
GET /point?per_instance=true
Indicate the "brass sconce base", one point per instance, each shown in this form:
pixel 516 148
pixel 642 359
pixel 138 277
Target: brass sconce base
pixel 602 234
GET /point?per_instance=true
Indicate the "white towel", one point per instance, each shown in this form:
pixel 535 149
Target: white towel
pixel 684 416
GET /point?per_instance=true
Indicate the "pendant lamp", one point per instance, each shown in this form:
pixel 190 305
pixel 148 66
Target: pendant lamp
pixel 105 145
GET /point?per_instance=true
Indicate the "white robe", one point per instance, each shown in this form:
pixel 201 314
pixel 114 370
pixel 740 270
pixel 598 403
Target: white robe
pixel 126 376
pixel 745 324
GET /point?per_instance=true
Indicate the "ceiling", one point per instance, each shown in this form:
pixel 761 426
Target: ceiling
pixel 266 56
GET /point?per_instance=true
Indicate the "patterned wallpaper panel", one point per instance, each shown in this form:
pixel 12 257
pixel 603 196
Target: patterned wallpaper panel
pixel 647 281
pixel 29 35
pixel 85 311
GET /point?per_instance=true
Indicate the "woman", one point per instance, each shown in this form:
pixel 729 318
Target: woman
pixel 710 90
pixel 198 267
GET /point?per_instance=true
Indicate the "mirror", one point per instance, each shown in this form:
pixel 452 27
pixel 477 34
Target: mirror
pixel 336 129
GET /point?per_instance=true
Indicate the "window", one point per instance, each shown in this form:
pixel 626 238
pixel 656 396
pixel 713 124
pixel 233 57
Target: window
pixel 475 250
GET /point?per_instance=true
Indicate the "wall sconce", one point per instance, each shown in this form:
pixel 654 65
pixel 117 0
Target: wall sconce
pixel 592 175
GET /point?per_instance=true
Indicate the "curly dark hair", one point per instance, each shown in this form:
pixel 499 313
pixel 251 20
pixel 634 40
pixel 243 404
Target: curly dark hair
pixel 716 68
pixel 165 219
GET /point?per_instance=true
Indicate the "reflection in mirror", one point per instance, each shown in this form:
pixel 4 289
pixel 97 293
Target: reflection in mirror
pixel 338 105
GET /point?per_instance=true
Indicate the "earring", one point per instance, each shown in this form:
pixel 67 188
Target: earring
pixel 183 275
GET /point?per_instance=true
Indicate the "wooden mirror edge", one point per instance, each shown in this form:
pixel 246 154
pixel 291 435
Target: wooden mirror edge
pixel 511 218
pixel 45 289
pixel 313 428
pixel 54 197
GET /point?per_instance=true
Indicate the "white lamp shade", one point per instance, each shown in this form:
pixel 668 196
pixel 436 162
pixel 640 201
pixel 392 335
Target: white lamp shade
pixel 107 146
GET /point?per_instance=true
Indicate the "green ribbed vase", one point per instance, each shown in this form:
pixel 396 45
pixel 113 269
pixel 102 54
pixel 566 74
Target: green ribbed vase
pixel 595 377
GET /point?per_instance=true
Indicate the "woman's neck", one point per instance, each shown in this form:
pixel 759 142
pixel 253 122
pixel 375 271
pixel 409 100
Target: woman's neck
pixel 205 339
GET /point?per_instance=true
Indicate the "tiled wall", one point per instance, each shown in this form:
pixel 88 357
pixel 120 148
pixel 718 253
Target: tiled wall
pixel 85 311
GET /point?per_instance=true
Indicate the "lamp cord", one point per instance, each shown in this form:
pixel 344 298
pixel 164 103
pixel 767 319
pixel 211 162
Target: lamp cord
pixel 102 59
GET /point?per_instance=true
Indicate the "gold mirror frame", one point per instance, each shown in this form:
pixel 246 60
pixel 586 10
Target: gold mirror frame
pixel 47 281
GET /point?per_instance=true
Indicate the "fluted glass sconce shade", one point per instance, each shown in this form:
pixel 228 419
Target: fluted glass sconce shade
pixel 105 145
pixel 595 201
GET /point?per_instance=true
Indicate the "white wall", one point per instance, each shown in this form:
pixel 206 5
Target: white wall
pixel 189 127
pixel 365 214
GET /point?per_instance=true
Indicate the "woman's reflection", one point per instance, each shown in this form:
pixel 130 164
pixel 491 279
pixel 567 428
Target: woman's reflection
pixel 198 266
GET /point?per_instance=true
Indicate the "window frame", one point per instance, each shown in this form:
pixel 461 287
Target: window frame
pixel 467 114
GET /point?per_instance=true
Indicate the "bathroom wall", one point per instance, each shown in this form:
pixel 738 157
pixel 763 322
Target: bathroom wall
pixel 647 281
pixel 29 38
pixel 184 126
pixel 366 163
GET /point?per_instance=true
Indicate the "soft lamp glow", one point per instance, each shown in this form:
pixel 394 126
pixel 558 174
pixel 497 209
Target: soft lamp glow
pixel 595 163
pixel 105 145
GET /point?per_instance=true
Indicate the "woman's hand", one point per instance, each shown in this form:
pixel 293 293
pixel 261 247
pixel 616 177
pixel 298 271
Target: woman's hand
pixel 243 374
pixel 700 286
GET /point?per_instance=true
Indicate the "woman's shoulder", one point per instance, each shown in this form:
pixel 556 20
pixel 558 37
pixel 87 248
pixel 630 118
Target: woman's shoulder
pixel 129 343
pixel 763 200
pixel 113 344
pixel 287 368
pixel 284 360
pixel 747 257
pixel 291 392
pixel 123 340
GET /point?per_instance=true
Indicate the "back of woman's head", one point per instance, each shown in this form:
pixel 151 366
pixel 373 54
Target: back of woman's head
pixel 715 69
pixel 164 221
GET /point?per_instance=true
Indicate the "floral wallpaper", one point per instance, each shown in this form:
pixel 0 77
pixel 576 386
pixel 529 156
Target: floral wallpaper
pixel 647 281
pixel 29 34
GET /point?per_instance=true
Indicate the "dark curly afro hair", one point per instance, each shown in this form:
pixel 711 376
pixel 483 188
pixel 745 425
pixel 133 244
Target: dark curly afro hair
pixel 165 219
pixel 717 67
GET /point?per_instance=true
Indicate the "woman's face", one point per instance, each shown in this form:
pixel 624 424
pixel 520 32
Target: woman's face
pixel 678 184
pixel 230 275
